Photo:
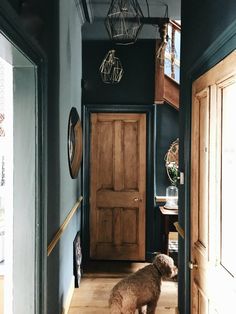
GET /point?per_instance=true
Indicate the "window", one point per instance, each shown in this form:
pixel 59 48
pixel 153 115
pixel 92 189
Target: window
pixel 172 52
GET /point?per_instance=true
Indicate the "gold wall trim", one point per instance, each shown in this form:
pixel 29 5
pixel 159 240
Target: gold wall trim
pixel 63 227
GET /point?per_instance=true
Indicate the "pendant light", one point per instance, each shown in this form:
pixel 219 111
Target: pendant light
pixel 111 69
pixel 123 21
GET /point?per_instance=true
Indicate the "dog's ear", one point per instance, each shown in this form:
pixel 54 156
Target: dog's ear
pixel 165 265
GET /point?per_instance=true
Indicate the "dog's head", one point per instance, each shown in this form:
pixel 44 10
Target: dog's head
pixel 165 264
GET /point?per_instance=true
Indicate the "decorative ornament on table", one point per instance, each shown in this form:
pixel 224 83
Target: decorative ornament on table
pixel 172 169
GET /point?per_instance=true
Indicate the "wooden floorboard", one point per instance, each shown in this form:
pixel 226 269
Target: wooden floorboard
pixel 93 294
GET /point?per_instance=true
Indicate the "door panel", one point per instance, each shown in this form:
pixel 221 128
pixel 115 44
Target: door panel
pixel 199 194
pixel 118 186
pixel 213 164
pixel 203 103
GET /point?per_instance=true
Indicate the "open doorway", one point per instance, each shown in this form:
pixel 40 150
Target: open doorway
pixel 6 185
pixel 20 192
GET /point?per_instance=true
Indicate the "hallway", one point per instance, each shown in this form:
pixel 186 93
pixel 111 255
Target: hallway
pixel 92 296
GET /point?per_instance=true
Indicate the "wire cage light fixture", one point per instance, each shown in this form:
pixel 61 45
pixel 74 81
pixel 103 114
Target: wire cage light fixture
pixel 123 21
pixel 111 69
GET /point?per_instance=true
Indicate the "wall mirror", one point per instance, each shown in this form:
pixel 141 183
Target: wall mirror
pixel 74 143
pixel 172 162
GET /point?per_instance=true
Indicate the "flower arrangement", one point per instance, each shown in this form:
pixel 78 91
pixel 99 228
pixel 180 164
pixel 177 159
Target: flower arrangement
pixel 173 172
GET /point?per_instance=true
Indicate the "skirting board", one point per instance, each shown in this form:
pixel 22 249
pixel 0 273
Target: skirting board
pixel 68 298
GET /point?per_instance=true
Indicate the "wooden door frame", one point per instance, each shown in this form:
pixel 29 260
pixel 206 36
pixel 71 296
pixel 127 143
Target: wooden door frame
pixel 11 28
pixel 149 111
pixel 218 50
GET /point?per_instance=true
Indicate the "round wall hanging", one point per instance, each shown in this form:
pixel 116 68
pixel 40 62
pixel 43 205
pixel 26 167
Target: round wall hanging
pixel 75 142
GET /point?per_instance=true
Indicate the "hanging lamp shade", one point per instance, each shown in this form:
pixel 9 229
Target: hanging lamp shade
pixel 111 69
pixel 123 21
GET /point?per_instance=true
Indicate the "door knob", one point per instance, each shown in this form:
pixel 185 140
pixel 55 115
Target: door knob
pixel 136 199
pixel 192 265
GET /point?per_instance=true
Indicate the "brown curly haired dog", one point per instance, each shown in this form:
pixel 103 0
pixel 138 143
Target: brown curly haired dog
pixel 142 287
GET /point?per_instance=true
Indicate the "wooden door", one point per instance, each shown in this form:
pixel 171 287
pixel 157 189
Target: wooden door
pixel 213 170
pixel 118 186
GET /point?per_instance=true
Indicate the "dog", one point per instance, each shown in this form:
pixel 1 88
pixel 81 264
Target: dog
pixel 142 287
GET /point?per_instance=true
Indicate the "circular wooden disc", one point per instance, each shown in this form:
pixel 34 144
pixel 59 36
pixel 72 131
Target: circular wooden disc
pixel 75 142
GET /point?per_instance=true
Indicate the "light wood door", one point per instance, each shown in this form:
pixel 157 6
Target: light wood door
pixel 118 186
pixel 213 173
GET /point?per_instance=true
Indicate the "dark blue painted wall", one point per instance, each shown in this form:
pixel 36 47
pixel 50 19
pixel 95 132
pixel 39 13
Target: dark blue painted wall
pixel 205 26
pixel 167 131
pixel 137 83
pixel 64 45
pixel 202 22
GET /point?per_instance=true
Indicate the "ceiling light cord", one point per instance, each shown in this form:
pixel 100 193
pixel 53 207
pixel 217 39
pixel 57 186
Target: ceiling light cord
pixel 148 9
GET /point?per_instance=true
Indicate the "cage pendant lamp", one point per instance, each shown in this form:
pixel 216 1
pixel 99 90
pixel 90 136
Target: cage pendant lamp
pixel 123 21
pixel 111 69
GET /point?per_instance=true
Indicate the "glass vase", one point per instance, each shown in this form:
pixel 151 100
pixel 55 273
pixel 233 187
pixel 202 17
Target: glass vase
pixel 171 197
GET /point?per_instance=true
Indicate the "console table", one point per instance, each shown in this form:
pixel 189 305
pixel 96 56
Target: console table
pixel 169 216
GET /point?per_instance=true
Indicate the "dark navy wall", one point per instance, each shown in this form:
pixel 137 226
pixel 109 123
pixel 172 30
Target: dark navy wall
pixel 203 22
pixel 167 131
pixel 64 47
pixel 137 83
pixel 208 35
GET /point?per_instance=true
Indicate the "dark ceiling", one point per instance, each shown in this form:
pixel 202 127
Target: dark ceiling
pixel 98 10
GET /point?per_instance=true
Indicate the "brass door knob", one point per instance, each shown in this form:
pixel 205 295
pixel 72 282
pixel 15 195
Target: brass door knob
pixel 136 199
pixel 192 265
